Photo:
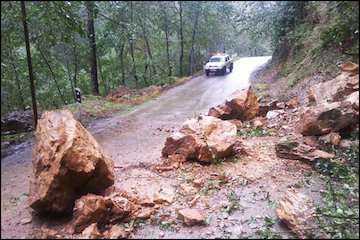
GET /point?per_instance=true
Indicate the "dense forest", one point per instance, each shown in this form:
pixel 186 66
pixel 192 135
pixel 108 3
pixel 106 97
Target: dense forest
pixel 98 46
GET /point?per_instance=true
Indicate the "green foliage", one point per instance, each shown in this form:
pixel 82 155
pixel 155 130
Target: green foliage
pixel 343 30
pixel 338 214
pixel 255 132
pixel 60 46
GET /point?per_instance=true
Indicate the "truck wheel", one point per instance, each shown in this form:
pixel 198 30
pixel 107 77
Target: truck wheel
pixel 207 73
pixel 231 68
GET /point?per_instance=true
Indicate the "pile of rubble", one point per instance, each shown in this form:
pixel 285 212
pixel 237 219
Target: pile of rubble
pixel 72 175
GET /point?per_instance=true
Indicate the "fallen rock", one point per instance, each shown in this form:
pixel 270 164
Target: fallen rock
pixel 331 138
pixel 353 99
pixel 336 89
pixel 326 117
pixel 145 213
pixel 191 216
pixel 291 148
pixel 297 211
pixel 120 207
pixel 349 67
pixel 280 105
pixel 221 111
pixel 243 103
pixel 274 114
pixel 67 163
pixel 18 121
pixel 237 123
pixel 203 139
pixel 265 107
pixel 91 232
pixel 116 232
pixel 90 209
pixel 292 103
pixel 163 197
pixel 346 143
pixel 258 122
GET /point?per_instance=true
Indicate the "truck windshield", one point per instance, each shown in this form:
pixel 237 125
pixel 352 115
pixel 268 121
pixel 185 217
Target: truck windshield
pixel 215 59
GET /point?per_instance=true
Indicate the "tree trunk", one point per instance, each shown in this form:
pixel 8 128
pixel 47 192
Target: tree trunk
pixel 75 66
pixel 92 46
pixel 28 56
pixel 181 40
pixel 122 64
pixel 148 49
pixel 166 30
pixel 191 55
pixel 132 46
pixel 17 80
pixel 52 74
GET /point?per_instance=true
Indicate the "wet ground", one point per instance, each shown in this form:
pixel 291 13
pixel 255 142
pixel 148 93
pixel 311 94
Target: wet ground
pixel 236 207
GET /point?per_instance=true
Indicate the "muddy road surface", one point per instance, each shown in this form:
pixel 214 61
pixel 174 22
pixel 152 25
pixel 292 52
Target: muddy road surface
pixel 134 141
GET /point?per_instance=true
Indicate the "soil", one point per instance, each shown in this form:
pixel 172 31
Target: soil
pixel 236 196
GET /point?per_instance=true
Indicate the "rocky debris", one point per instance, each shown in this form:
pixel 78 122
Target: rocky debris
pixel 353 99
pixel 25 221
pixel 18 121
pixel 326 117
pixel 331 138
pixel 237 123
pixel 243 103
pixel 145 213
pixel 297 211
pixel 280 105
pixel 90 209
pixel 290 148
pixel 67 162
pixel 346 143
pixel 349 67
pixel 116 232
pixel 191 216
pixel 91 232
pixel 93 208
pixel 164 196
pixel 46 233
pixel 265 107
pixel 258 122
pixel 203 139
pixel 274 114
pixel 221 111
pixel 334 90
pixel 292 103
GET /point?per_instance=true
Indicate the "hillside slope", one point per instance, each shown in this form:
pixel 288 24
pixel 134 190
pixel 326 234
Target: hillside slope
pixel 311 51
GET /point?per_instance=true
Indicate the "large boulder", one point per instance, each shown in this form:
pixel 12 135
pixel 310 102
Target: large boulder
pixel 204 139
pixel 327 117
pixel 291 148
pixel 297 211
pixel 18 121
pixel 242 105
pixel 67 163
pixel 336 89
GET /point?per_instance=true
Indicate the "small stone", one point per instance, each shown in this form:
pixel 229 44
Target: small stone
pixel 161 234
pixel 25 221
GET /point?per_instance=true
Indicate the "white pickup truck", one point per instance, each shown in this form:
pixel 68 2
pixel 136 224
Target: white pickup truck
pixel 219 64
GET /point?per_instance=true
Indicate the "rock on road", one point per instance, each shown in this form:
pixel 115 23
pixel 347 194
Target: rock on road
pixel 131 138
